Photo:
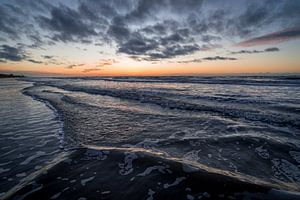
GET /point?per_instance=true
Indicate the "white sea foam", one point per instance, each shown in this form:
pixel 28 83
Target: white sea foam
pixel 126 167
pixel 56 195
pixel 2 170
pixel 176 182
pixel 21 175
pixel 84 181
pixel 150 169
pixel 150 194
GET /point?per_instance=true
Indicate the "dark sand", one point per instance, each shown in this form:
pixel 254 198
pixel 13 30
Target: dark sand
pixel 107 174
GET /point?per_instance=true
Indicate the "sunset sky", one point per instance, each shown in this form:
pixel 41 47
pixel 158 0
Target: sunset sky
pixel 149 37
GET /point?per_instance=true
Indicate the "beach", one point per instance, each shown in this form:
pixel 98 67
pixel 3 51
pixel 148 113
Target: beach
pixel 227 137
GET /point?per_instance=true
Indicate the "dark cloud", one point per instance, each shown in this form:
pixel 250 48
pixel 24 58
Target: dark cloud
pixel 138 46
pixel 146 10
pixel 34 61
pixel 157 29
pixel 90 70
pixel 37 41
pixel 264 14
pixel 167 52
pixel 154 45
pixel 51 60
pixel 67 25
pixel 47 57
pixel 219 58
pixel 150 30
pixel 100 63
pixel 74 65
pixel 246 52
pixel 106 62
pixel 9 53
pixel 41 6
pixel 9 22
pixel 273 38
pixel 178 49
pixel 271 49
pixel 190 61
pixel 256 15
pixel 16 54
pixel 165 38
pixel 198 60
pixel 119 33
pixel 101 11
pixel 17 18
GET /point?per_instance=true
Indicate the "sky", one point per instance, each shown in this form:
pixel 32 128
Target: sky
pixel 149 37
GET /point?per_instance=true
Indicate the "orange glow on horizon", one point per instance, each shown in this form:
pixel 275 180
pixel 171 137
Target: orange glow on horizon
pixel 236 67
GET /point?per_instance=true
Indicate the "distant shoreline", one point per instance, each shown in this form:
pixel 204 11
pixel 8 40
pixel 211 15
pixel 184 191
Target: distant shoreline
pixel 7 74
pixel 10 76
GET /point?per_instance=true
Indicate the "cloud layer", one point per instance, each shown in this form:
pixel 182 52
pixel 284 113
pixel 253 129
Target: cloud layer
pixel 8 53
pixel 271 49
pixel 273 38
pixel 146 30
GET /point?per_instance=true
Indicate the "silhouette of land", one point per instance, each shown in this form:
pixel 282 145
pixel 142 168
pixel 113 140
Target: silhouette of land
pixel 10 76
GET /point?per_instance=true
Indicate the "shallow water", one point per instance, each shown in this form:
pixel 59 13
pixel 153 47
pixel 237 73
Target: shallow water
pixel 241 127
pixel 29 134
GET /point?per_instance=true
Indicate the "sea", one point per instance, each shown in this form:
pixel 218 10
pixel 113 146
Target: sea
pixel 164 137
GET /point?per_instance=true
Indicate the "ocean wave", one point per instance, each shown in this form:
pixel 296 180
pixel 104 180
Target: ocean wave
pixel 240 80
pixel 222 132
pixel 251 110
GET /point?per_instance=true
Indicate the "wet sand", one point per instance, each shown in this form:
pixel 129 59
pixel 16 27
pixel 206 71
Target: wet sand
pixel 118 174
